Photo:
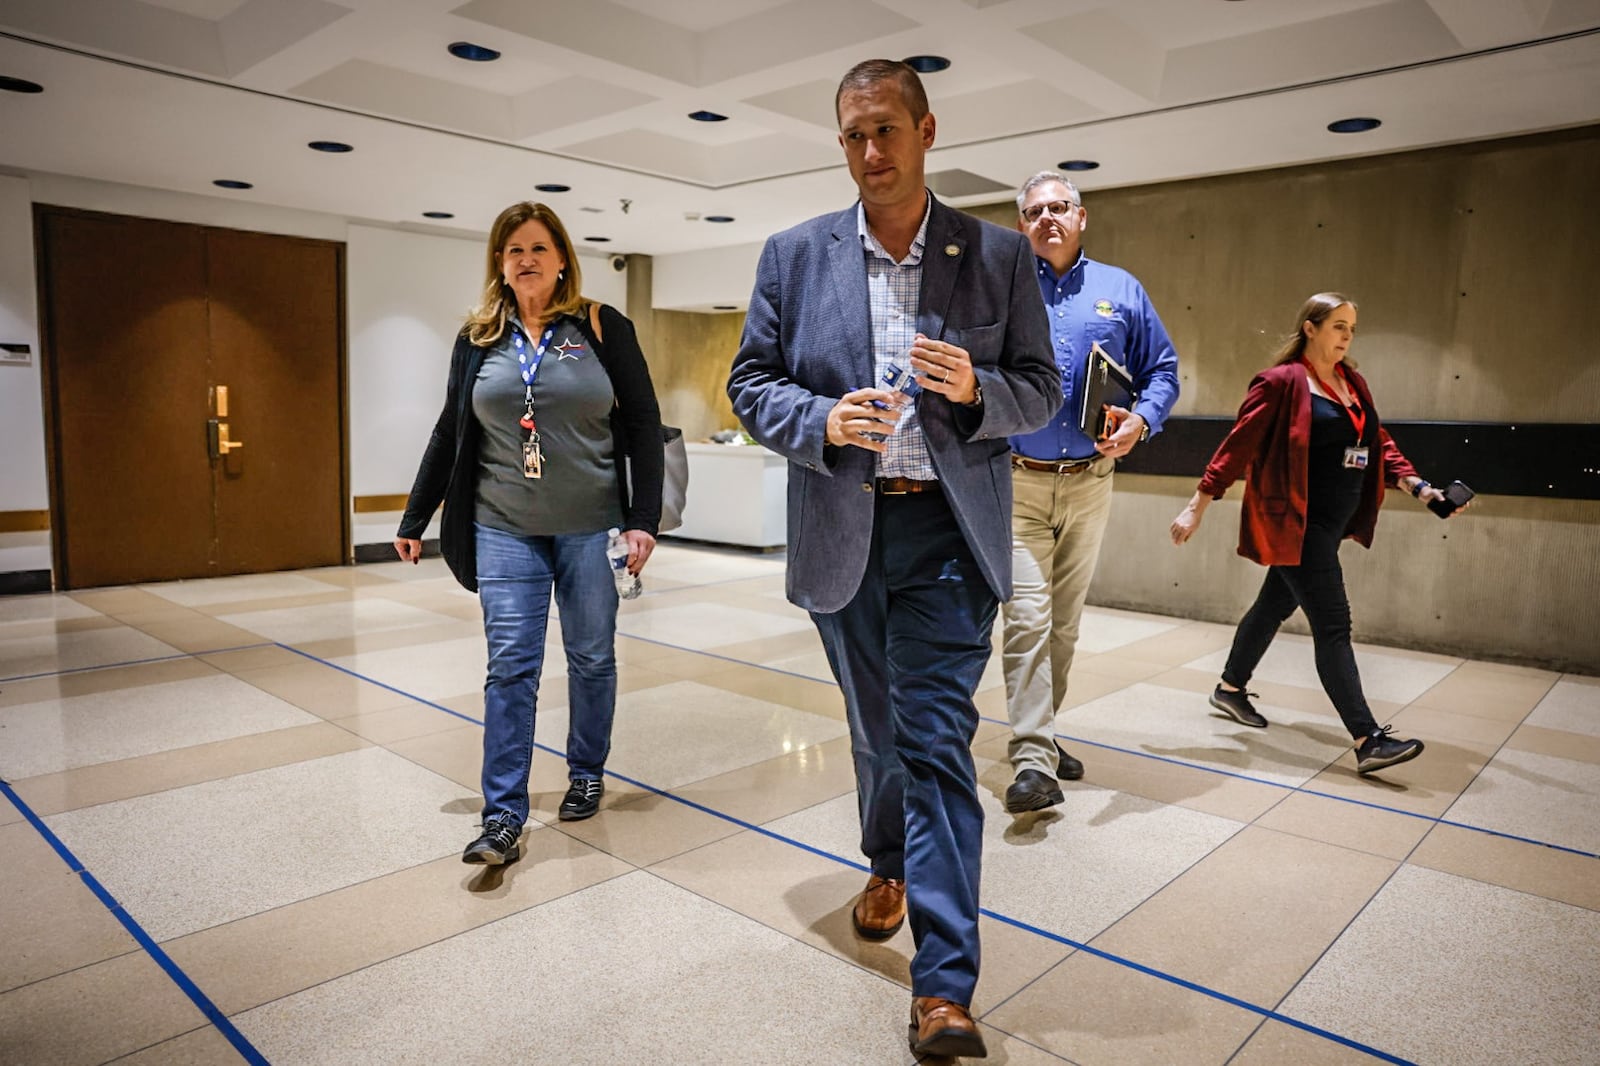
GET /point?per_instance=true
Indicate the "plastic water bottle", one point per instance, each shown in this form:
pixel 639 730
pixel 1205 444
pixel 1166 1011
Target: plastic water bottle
pixel 617 553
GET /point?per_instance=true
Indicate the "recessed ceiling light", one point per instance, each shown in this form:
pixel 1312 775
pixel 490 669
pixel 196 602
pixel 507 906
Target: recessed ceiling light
pixel 719 218
pixel 1353 125
pixel 231 183
pixel 724 307
pixel 437 214
pixel 19 85
pixel 475 53
pixel 329 146
pixel 926 64
pixel 1078 164
pixel 598 240
pixel 551 186
pixel 707 116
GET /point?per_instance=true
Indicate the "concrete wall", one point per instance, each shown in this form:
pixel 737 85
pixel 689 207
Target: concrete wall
pixel 1475 270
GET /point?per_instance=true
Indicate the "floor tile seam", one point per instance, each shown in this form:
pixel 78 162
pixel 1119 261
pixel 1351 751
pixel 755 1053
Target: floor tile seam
pixel 1100 744
pixel 1266 1013
pixel 157 954
pixel 1332 942
pixel 415 948
pixel 24 781
pixel 1016 922
pixel 133 950
pixel 1027 927
pixel 1255 1031
pixel 833 958
pixel 131 662
pixel 165 1040
pixel 1495 884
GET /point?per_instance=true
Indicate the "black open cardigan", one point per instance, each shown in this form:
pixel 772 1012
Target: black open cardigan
pixel 449 470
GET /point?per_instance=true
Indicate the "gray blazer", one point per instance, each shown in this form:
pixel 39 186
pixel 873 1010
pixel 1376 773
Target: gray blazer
pixel 808 341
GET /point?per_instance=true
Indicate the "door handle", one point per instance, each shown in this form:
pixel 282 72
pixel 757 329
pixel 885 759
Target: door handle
pixel 217 440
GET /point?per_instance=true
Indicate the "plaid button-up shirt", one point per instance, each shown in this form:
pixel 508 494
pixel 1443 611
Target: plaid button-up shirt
pixel 895 289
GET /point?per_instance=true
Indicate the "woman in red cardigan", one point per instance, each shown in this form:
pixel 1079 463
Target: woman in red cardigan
pixel 1315 459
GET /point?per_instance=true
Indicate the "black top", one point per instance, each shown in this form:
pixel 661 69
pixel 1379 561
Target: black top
pixel 449 468
pixel 1333 491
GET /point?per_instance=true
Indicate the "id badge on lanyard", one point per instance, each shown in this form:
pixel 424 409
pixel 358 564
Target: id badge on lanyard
pixel 1355 458
pixel 532 452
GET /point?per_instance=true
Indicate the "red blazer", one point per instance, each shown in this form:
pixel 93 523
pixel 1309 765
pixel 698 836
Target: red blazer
pixel 1270 446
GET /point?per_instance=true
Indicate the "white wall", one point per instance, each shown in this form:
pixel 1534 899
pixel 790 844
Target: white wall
pixel 406 294
pixel 23 480
pixel 698 281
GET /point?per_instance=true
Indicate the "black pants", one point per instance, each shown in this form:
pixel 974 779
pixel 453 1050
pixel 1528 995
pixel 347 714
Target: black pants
pixel 1317 587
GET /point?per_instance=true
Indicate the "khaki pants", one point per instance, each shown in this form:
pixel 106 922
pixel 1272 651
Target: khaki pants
pixel 1056 526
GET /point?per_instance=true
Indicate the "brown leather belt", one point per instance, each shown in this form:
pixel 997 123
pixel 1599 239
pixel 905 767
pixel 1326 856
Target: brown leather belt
pixel 1062 469
pixel 900 486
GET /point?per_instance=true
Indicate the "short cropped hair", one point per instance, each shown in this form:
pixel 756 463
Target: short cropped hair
pixel 869 73
pixel 1045 177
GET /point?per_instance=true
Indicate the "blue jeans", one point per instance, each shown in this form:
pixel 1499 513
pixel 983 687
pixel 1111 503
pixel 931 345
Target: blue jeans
pixel 515 574
pixel 908 650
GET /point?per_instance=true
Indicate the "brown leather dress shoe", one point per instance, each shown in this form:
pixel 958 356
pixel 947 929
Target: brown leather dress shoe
pixel 881 909
pixel 939 1027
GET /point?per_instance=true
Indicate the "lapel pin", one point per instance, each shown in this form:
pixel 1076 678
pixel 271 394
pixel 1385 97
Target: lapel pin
pixel 952 249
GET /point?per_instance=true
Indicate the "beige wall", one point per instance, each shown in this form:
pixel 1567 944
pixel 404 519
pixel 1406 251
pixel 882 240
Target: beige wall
pixel 1475 268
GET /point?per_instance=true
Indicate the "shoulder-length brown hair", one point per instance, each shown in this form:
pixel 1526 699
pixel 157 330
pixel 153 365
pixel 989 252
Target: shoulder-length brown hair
pixel 487 322
pixel 1315 311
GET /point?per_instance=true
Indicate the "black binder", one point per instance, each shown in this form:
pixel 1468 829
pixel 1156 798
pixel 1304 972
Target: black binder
pixel 1106 384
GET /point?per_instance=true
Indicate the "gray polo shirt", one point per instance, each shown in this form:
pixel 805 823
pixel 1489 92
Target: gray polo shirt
pixel 572 402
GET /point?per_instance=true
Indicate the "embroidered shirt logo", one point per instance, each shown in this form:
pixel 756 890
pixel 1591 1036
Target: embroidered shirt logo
pixel 1103 308
pixel 568 350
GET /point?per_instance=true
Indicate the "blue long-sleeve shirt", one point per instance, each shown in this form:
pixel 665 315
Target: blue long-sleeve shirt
pixel 1092 302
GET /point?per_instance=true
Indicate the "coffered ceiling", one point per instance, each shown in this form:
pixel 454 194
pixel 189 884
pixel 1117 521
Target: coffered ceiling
pixel 595 94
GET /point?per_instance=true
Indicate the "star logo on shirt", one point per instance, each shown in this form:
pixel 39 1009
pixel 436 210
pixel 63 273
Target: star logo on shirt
pixel 567 350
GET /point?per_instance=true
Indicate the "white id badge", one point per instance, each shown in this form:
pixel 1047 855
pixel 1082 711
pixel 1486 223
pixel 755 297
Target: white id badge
pixel 1355 458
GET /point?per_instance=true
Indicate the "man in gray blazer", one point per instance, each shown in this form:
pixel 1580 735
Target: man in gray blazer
pixel 900 507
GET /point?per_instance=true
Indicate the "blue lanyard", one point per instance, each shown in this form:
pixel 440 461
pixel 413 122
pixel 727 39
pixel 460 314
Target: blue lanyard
pixel 530 371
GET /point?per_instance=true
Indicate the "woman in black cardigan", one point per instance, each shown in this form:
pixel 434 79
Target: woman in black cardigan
pixel 548 396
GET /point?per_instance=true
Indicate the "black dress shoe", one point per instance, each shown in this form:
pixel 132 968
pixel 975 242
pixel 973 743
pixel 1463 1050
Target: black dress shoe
pixel 1032 791
pixel 582 799
pixel 1067 768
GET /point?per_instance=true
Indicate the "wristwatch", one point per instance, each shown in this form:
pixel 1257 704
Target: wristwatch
pixel 977 393
pixel 1144 434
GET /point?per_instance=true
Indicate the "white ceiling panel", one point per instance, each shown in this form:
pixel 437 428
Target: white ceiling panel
pixel 595 94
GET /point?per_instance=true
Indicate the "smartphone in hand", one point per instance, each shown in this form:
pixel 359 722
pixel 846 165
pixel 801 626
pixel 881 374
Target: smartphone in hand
pixel 1456 496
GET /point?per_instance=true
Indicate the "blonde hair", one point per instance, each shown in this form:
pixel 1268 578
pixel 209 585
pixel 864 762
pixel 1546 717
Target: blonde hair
pixel 486 323
pixel 1315 311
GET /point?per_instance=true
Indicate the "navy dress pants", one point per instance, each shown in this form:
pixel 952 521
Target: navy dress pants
pixel 908 651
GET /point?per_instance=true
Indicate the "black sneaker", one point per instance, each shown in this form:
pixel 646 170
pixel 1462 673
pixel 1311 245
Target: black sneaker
pixel 1237 705
pixel 582 799
pixel 496 846
pixel 1379 749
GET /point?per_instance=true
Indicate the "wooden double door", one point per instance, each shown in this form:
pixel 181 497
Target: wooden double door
pixel 195 381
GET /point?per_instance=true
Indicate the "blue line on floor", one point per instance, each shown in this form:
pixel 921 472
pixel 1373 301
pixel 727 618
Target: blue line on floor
pixel 1176 762
pixel 132 662
pixel 1265 1012
pixel 1324 795
pixel 185 984
pixel 380 684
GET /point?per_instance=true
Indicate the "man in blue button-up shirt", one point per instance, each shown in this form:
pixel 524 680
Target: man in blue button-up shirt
pixel 1061 479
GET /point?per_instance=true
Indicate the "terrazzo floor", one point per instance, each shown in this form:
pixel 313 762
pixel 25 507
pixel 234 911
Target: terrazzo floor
pixel 233 811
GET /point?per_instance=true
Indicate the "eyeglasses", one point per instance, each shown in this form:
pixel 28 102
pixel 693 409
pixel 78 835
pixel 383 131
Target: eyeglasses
pixel 1057 208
